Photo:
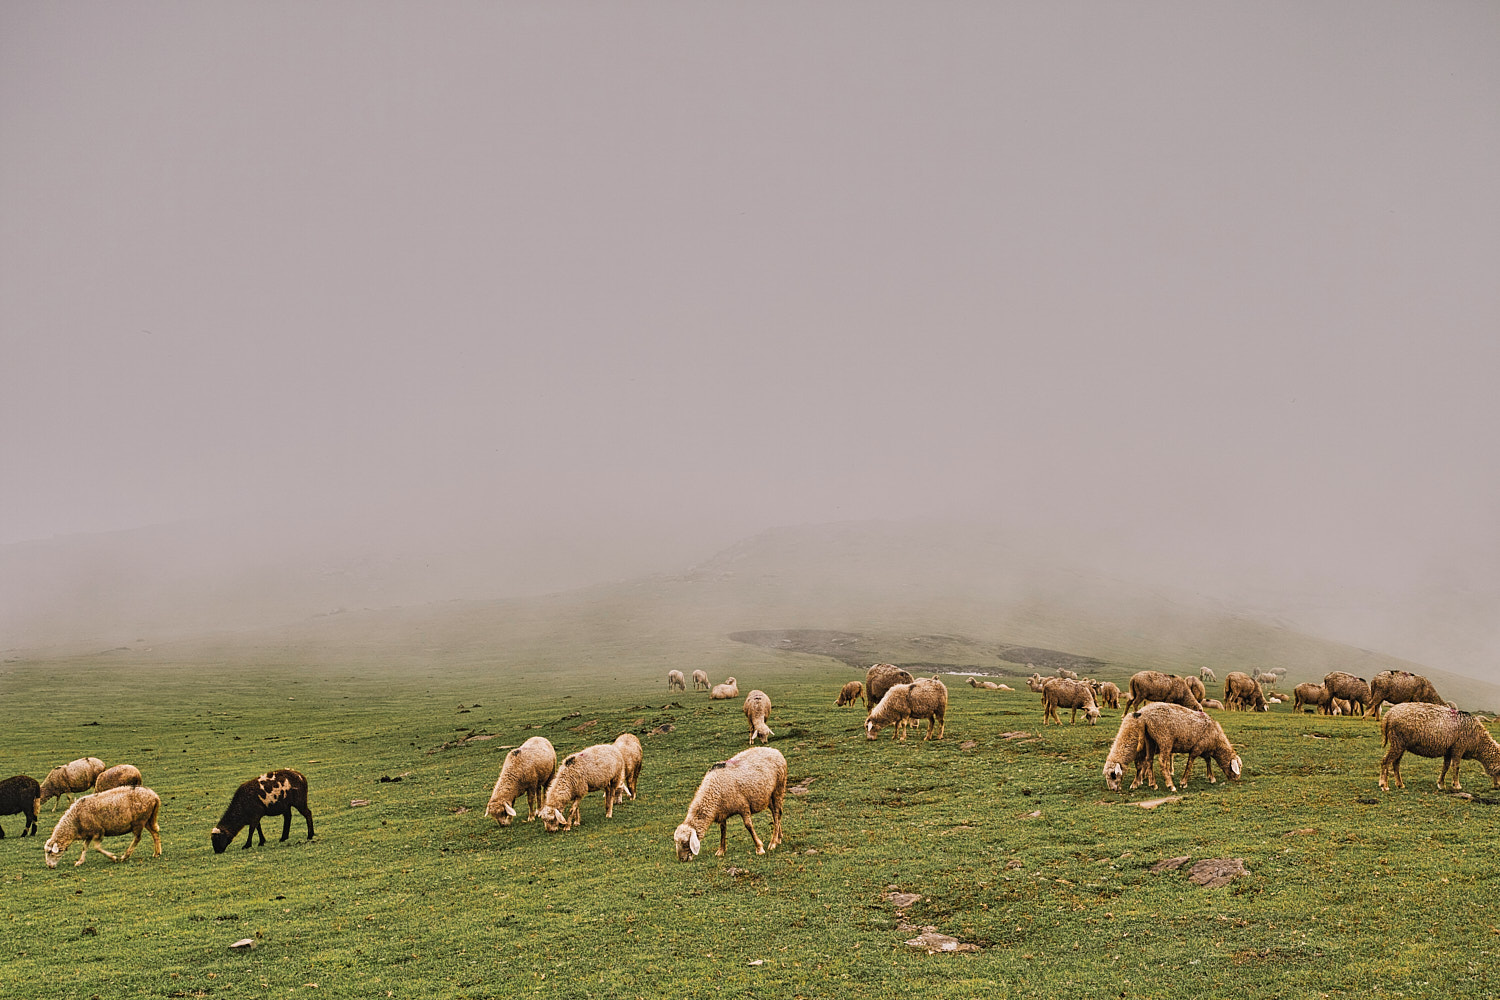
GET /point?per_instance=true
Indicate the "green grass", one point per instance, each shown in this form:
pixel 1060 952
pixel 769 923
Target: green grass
pixel 419 895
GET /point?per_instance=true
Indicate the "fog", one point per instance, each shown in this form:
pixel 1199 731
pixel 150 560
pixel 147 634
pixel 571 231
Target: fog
pixel 1198 294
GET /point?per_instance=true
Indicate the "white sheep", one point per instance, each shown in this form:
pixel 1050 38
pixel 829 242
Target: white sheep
pixel 747 783
pixel 700 680
pixel 629 746
pixel 757 710
pixel 91 818
pixel 114 777
pixel 597 768
pixel 729 689
pixel 1131 746
pixel 527 768
pixel 923 698
pixel 675 681
pixel 74 776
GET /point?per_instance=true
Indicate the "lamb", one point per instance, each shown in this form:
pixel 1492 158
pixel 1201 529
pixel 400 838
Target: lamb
pixel 1206 674
pixel 126 809
pixel 1241 692
pixel 21 794
pixel 880 678
pixel 1398 687
pixel 1315 695
pixel 924 698
pixel 729 689
pixel 527 768
pixel 700 680
pixel 114 777
pixel 747 783
pixel 600 767
pixel 1174 728
pixel 1153 685
pixel 675 681
pixel 275 793
pixel 74 776
pixel 1347 687
pixel 1059 692
pixel 1131 745
pixel 1214 704
pixel 629 746
pixel 757 710
pixel 1109 694
pixel 975 682
pixel 1429 730
pixel 850 693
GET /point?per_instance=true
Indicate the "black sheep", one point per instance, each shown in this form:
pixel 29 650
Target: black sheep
pixel 21 794
pixel 276 793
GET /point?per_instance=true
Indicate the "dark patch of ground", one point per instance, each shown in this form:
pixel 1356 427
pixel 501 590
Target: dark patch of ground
pixel 859 651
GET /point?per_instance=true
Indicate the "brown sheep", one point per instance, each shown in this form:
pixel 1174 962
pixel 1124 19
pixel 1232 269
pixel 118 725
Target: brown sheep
pixel 975 682
pixel 1195 685
pixel 879 679
pixel 600 767
pixel 1345 686
pixel 1035 683
pixel 1109 694
pixel 1241 692
pixel 629 746
pixel 1059 692
pixel 850 693
pixel 1174 728
pixel 1153 685
pixel 1131 745
pixel 924 698
pixel 74 776
pixel 1429 730
pixel 1398 687
pixel 1315 695
pixel 126 809
pixel 114 777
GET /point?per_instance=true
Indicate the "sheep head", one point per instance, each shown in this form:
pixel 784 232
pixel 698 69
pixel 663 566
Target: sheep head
pixel 1112 772
pixel 553 819
pixel 221 838
pixel 687 842
pixel 505 815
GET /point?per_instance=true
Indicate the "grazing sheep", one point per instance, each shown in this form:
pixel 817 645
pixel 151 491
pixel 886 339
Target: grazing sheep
pixel 1059 692
pixel 1241 692
pixel 114 777
pixel 600 767
pixel 1153 685
pixel 1315 695
pixel 923 698
pixel 675 681
pixel 700 680
pixel 275 793
pixel 850 693
pixel 527 768
pixel 91 818
pixel 880 678
pixel 21 794
pixel 1345 686
pixel 1109 694
pixel 1399 687
pixel 1429 730
pixel 74 776
pixel 747 783
pixel 1206 674
pixel 1195 685
pixel 757 710
pixel 729 689
pixel 1174 728
pixel 1131 745
pixel 629 746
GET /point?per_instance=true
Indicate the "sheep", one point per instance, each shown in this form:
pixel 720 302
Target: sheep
pixel 527 768
pixel 675 681
pixel 729 689
pixel 1346 687
pixel 600 767
pixel 1398 687
pixel 1214 704
pixel 1109 694
pixel 74 776
pixel 275 793
pixel 1067 674
pixel 629 746
pixel 1173 728
pixel 1131 744
pixel 747 783
pixel 91 818
pixel 1195 685
pixel 879 679
pixel 924 698
pixel 1059 692
pixel 1206 674
pixel 21 794
pixel 1315 695
pixel 1034 682
pixel 1429 730
pixel 700 681
pixel 1340 706
pixel 114 777
pixel 1153 685
pixel 850 693
pixel 1241 692
pixel 757 710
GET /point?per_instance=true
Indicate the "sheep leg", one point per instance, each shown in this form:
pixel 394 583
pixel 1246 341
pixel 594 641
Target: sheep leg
pixel 1167 764
pixel 306 812
pixel 82 853
pixel 760 847
pixel 286 825
pixel 1187 769
pixel 129 850
pixel 610 791
pixel 1453 758
pixel 723 837
pixel 250 836
pixel 155 829
pixel 776 800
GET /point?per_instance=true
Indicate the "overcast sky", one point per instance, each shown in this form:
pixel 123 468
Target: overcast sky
pixel 1216 278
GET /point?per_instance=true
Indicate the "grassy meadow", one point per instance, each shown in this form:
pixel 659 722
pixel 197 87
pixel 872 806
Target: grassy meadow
pixel 1012 843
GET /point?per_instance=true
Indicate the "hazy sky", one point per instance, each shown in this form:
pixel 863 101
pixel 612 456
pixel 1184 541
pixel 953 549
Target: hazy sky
pixel 1215 277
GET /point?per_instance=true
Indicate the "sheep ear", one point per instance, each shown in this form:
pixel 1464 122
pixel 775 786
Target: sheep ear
pixel 510 810
pixel 694 844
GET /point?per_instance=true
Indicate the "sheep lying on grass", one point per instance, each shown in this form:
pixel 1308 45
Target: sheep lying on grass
pixel 700 680
pixel 975 682
pixel 747 783
pixel 1131 746
pixel 880 678
pixel 21 794
pixel 675 681
pixel 850 693
pixel 1174 728
pixel 597 768
pixel 1153 685
pixel 757 710
pixel 1242 693
pixel 729 689
pixel 1399 687
pixel 114 777
pixel 923 698
pixel 527 768
pixel 1435 731
pixel 91 818
pixel 74 776
pixel 1059 692
pixel 629 746
pixel 275 793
